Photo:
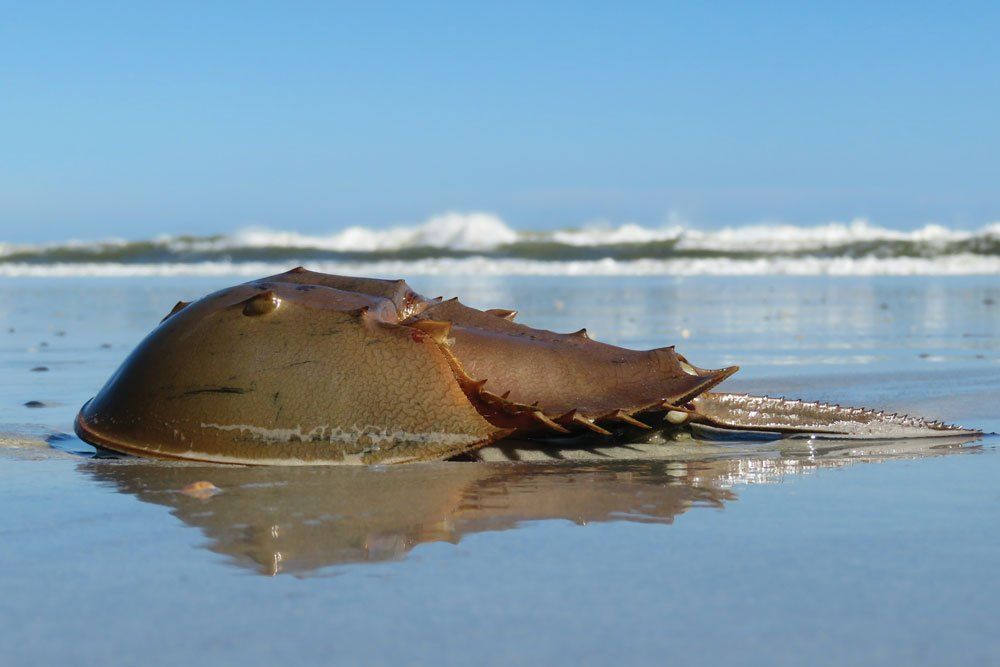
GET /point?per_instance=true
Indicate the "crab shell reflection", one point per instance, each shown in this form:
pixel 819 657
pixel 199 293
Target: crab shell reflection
pixel 303 519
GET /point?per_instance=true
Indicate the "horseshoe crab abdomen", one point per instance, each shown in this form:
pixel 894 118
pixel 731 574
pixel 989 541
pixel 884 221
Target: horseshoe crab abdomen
pixel 571 379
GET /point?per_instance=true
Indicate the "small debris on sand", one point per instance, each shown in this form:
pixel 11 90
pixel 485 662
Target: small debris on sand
pixel 202 490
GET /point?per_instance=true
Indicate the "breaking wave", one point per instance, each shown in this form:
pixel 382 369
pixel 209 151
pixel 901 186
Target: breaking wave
pixel 476 243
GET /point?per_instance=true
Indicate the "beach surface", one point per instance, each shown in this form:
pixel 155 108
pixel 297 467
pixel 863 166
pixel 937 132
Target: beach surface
pixel 747 553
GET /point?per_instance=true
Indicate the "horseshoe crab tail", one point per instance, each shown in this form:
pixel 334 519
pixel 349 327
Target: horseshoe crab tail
pixel 792 418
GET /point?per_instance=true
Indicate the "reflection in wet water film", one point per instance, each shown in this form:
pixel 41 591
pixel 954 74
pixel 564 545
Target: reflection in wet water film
pixel 273 520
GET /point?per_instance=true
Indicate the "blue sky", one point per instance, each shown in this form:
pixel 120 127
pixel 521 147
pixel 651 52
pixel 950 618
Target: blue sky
pixel 134 119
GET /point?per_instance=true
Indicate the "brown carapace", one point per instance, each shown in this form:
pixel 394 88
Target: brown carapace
pixel 309 368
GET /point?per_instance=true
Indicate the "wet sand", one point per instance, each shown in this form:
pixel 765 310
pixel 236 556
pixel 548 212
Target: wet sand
pixel 751 553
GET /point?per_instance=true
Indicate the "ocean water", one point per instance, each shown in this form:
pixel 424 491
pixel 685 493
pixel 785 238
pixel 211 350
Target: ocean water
pixel 745 553
pixel 482 243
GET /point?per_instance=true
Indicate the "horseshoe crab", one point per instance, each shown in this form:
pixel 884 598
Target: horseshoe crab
pixel 304 368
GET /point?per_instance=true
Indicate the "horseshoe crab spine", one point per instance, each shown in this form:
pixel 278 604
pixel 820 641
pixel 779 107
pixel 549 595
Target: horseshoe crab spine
pixel 796 417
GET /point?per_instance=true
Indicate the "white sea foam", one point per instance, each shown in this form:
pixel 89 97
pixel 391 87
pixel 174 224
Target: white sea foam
pixel 484 232
pixel 792 238
pixel 852 248
pixel 598 234
pixel 954 265
pixel 475 231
